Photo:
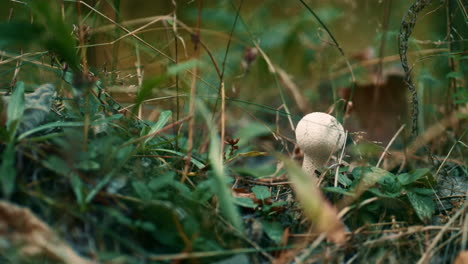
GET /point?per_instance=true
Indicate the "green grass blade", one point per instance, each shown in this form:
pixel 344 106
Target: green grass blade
pixel 226 201
pixel 15 108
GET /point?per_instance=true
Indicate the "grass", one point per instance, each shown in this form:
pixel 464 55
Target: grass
pixel 164 132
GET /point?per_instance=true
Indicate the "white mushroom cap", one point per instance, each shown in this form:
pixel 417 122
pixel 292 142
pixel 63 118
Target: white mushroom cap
pixel 319 135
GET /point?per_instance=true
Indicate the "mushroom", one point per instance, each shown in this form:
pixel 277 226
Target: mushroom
pixel 318 135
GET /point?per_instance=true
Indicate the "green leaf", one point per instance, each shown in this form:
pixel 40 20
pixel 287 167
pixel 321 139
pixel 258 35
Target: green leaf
pixel 67 124
pixel 58 37
pixel 8 170
pixel 19 33
pixel 365 178
pixel 408 178
pixel 161 181
pixel 183 66
pixel 15 108
pixel 384 194
pixel 88 165
pixel 422 191
pixel 146 90
pixel 337 190
pixel 245 202
pixel 422 204
pixel 390 185
pixel 77 187
pixel 163 118
pixel 261 192
pixel 274 231
pixel 142 190
pixel 204 191
pixel 56 165
pixel 454 75
pixel 254 129
pixel 105 180
pixel 344 180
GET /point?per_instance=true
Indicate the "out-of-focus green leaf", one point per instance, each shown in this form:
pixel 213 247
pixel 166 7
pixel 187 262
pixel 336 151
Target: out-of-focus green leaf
pixel 15 108
pixel 408 178
pixel 461 95
pixel 142 190
pixel 455 75
pixel 146 89
pixel 88 165
pixel 163 118
pixel 382 194
pixel 7 170
pixel 19 34
pixel 183 66
pixel 58 37
pixel 254 129
pixel 245 202
pixel 238 258
pixel 423 205
pixel 226 202
pixel 337 190
pixel 422 191
pixel 389 185
pixel 103 182
pixel 67 124
pixel 261 192
pixel 204 191
pixel 77 187
pixel 368 177
pixel 274 231
pixel 161 181
pixel 57 165
pixel 344 180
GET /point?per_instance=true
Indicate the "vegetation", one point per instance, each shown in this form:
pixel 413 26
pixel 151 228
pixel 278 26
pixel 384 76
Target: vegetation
pixel 163 131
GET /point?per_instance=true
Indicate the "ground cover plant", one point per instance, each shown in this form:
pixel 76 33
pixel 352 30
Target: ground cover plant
pixel 164 131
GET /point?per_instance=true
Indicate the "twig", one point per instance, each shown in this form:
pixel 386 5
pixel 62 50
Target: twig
pixel 389 144
pixel 126 30
pixel 158 131
pixel 348 64
pixel 339 160
pixel 193 88
pixel 428 253
pixel 448 154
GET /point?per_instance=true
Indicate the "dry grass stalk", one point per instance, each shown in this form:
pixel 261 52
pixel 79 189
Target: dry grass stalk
pixel 21 229
pixel 299 98
pixel 430 134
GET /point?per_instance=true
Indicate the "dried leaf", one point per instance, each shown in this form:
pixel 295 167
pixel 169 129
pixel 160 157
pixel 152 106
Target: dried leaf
pixel 21 229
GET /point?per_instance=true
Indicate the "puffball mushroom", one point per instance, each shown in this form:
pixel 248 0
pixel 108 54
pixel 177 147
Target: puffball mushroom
pixel 319 135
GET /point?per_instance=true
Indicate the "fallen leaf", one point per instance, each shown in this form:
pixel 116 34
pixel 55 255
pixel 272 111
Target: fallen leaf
pixel 21 229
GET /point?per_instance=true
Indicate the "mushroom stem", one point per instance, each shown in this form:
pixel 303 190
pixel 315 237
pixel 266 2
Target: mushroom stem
pixel 309 165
